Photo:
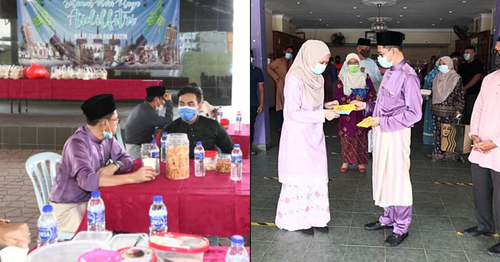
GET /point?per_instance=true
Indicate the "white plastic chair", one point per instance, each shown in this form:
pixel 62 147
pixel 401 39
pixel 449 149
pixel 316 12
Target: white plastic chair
pixel 44 180
pixel 120 138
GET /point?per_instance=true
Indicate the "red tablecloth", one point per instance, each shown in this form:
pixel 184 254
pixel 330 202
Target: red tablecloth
pixel 217 254
pixel 122 89
pixel 210 206
pixel 242 138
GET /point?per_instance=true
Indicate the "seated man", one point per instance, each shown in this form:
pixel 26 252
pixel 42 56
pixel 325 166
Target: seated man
pixel 90 158
pixel 144 119
pixel 198 128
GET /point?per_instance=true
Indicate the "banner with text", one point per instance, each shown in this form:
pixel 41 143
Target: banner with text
pixel 118 34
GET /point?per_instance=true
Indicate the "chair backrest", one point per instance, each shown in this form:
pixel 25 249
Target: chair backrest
pixel 44 179
pixel 119 137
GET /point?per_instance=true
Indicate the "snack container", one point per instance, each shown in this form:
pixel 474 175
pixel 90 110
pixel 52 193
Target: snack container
pixel 178 247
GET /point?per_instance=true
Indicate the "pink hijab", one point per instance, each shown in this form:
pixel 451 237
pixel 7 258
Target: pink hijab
pixel 310 52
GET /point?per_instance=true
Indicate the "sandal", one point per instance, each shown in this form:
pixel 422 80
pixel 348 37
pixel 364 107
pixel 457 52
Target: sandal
pixel 362 169
pixel 344 169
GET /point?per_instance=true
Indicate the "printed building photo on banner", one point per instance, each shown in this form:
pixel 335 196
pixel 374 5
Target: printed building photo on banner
pixel 107 34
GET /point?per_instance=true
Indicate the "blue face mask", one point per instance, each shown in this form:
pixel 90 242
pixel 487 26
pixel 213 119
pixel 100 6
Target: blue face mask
pixel 288 56
pixel 107 135
pixel 444 69
pixel 187 113
pixel 383 62
pixel 319 69
pixel 466 57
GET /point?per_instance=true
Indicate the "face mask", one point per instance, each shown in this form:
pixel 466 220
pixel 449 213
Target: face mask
pixel 107 135
pixel 466 57
pixel 288 56
pixel 383 62
pixel 251 60
pixel 436 64
pixel 496 60
pixel 353 68
pixel 365 53
pixel 187 113
pixel 319 69
pixel 444 69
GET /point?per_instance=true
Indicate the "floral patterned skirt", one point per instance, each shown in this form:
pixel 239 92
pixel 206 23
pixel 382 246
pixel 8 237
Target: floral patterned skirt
pixel 303 207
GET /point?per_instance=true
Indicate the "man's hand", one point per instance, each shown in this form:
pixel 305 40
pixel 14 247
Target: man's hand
pixel 359 105
pixel 144 174
pixel 260 109
pixel 108 170
pixel 330 115
pixel 167 96
pixel 331 104
pixel 12 234
pixel 376 121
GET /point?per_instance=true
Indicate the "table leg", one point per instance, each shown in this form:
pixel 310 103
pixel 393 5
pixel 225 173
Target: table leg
pixel 19 105
pixel 12 106
pixel 26 105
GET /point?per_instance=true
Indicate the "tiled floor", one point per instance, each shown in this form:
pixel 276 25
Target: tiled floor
pixel 439 212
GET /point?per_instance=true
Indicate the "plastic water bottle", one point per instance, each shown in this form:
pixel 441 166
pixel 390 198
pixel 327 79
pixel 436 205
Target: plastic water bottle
pixel 238 122
pixel 237 252
pixel 219 114
pixel 47 227
pixel 95 213
pixel 199 160
pixel 236 163
pixel 163 152
pixel 157 216
pixel 154 153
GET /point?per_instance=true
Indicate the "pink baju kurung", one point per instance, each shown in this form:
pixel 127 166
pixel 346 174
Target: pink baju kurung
pixel 303 169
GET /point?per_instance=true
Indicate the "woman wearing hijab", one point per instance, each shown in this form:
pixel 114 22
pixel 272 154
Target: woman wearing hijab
pixel 428 138
pixel 447 101
pixel 302 162
pixel 353 85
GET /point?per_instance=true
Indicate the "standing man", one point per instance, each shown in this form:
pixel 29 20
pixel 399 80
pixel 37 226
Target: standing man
pixel 278 70
pixel 397 109
pixel 367 65
pixel 145 118
pixel 256 97
pixel 472 73
pixel 485 156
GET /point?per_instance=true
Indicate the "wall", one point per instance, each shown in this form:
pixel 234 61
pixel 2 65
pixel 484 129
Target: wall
pixel 418 45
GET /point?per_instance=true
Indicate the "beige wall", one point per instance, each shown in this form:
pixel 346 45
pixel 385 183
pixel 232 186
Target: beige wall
pixel 269 30
pixel 439 42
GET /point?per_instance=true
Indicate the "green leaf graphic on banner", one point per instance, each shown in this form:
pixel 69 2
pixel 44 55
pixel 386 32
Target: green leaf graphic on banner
pixel 155 18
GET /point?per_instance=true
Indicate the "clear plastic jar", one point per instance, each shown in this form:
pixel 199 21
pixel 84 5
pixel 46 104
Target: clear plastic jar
pixel 210 160
pixel 223 163
pixel 177 156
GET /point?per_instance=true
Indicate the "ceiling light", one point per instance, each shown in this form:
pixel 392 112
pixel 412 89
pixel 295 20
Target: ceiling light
pixel 400 15
pixel 358 16
pixel 463 2
pixel 433 24
pixel 311 12
pixel 320 19
pixel 360 22
pixel 354 8
pixel 379 24
pixel 405 7
pixel 440 19
pixel 451 12
pixel 327 24
pixel 298 3
pixel 398 22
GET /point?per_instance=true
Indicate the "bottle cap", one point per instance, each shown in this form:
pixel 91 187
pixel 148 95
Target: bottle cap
pixel 164 133
pixel 157 199
pixel 95 194
pixel 237 146
pixel 47 209
pixel 153 143
pixel 198 143
pixel 237 239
